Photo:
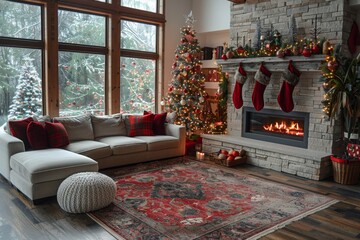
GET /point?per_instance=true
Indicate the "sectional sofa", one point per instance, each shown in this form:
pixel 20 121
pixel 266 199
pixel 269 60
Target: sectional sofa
pixel 94 143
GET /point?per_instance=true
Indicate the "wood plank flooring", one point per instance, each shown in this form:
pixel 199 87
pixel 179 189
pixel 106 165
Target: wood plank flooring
pixel 19 219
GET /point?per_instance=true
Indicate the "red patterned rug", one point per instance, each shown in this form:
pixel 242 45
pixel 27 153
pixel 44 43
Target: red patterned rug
pixel 184 199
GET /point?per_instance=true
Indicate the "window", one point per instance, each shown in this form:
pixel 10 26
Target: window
pixel 81 83
pixel 81 75
pixel 137 89
pixel 72 59
pixel 81 28
pixel 20 60
pixel 147 5
pixel 138 36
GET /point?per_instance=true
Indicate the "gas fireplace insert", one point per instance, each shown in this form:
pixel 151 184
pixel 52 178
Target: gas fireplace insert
pixel 276 126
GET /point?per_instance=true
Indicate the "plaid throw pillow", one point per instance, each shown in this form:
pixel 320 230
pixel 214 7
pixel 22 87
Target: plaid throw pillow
pixel 159 123
pixel 36 134
pixel 18 129
pixel 57 135
pixel 141 125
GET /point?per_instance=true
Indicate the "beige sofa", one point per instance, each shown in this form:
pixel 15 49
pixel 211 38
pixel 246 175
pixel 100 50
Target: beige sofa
pixel 95 143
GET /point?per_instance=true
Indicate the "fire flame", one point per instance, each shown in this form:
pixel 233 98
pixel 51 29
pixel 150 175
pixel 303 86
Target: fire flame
pixel 292 129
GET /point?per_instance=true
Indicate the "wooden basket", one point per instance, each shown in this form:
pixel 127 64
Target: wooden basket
pixel 214 158
pixel 346 172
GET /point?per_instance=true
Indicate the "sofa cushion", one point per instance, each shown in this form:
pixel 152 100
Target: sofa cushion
pixel 50 164
pixel 158 123
pixel 91 149
pixel 141 125
pixel 36 135
pixel 105 126
pixel 57 136
pixel 159 142
pixel 18 129
pixel 124 145
pixel 78 127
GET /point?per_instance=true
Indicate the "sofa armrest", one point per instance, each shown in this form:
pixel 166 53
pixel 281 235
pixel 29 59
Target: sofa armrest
pixel 179 132
pixel 9 145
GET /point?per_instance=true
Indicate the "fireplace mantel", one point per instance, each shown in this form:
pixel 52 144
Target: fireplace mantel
pixel 274 64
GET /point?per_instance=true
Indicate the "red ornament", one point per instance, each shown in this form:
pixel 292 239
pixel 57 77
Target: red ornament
pixel 223 57
pixel 170 89
pixel 288 52
pixel 229 54
pixel 240 50
pixel 306 52
pixel 332 65
pixel 316 49
pixel 280 53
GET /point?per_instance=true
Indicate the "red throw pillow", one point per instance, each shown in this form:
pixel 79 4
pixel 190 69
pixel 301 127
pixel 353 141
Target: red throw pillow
pixel 18 129
pixel 36 135
pixel 141 125
pixel 159 123
pixel 57 135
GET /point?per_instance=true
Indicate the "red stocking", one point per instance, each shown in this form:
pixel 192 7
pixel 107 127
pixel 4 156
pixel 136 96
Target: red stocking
pixel 262 77
pixel 290 79
pixel 240 79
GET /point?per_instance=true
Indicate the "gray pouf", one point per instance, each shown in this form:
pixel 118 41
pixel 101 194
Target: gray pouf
pixel 85 192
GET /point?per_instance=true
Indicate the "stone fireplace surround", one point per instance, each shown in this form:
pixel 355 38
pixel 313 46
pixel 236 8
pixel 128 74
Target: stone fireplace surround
pixel 335 21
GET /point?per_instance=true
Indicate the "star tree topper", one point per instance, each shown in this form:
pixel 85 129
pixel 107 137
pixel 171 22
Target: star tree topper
pixel 189 19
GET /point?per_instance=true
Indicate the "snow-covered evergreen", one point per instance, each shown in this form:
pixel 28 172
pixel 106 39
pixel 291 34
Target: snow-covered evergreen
pixel 27 100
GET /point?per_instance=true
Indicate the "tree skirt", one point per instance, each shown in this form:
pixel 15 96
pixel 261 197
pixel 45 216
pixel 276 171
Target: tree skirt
pixel 183 199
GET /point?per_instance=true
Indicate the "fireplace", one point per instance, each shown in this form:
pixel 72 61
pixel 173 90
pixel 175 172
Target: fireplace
pixel 276 126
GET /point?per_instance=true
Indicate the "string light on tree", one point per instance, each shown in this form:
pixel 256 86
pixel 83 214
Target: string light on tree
pixel 186 94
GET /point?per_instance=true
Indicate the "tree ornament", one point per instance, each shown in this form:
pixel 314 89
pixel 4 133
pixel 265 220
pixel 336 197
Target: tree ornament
pixel 229 54
pixel 223 57
pixel 183 102
pixel 315 49
pixel 201 99
pixel 306 52
pixel 280 53
pixel 332 65
pixel 240 50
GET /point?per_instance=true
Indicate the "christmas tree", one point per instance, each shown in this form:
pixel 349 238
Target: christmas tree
pixel 27 100
pixel 186 93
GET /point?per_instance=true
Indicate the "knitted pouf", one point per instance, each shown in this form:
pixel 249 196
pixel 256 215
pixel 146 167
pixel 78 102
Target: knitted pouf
pixel 85 192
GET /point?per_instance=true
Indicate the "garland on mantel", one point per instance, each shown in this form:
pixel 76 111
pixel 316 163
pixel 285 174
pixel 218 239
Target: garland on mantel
pixel 305 47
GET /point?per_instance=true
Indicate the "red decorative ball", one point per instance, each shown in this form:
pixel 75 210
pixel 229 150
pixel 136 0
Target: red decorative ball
pixel 316 49
pixel 280 53
pixel 229 54
pixel 306 52
pixel 332 65
pixel 223 57
pixel 240 50
pixel 288 52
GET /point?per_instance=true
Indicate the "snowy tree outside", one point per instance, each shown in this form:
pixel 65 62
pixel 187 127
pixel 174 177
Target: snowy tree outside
pixel 28 95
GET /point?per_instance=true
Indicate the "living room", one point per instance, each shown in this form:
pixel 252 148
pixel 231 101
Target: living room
pixel 118 58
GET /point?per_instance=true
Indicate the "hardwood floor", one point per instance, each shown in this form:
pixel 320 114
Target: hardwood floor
pixel 19 219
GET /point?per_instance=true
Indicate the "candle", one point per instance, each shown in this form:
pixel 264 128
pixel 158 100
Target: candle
pixel 200 155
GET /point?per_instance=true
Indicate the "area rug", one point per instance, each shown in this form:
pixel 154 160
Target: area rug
pixel 184 199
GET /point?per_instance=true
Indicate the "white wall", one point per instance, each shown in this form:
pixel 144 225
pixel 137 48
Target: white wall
pixel 211 15
pixel 175 12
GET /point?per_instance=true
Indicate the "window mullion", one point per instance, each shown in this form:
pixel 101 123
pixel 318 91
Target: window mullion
pixel 51 59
